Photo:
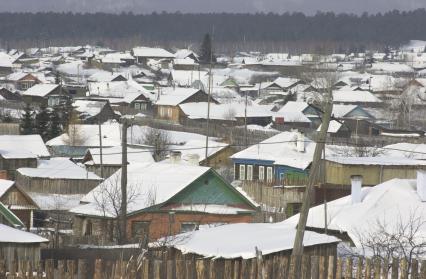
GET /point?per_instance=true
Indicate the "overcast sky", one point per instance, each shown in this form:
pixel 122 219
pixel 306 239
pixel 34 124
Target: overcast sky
pixel 252 6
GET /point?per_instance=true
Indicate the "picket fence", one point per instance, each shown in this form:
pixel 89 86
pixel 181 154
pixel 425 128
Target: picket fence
pixel 312 267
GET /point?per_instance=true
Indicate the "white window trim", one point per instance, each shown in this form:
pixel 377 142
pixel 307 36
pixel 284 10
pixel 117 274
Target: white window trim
pixel 249 172
pixel 269 174
pixel 242 174
pixel 261 173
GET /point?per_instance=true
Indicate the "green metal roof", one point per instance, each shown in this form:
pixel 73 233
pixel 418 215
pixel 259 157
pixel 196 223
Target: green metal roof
pixel 10 216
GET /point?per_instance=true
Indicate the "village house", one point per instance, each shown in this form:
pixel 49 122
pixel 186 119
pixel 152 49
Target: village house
pixel 18 151
pixel 22 81
pixel 94 111
pixel 18 245
pixel 18 201
pixel 167 106
pixel 375 170
pixel 56 176
pixel 236 241
pixel 168 199
pixel 44 94
pixel 225 114
pixel 280 86
pixel 111 159
pixel 368 213
pixel 144 54
pixel 7 95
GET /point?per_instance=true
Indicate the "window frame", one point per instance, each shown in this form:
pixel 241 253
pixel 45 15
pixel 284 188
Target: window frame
pixel 269 174
pixel 261 173
pixel 249 174
pixel 242 172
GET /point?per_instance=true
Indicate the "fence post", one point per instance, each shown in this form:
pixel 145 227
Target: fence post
pixel 49 269
pixel 395 268
pixel 331 267
pixel 228 269
pixel 339 268
pixel 322 267
pixel 98 269
pixel 404 269
pixel 170 271
pixel 180 269
pixel 71 269
pixel 423 270
pixel 306 267
pixel 385 268
pixel 39 270
pixel 259 262
pixel 82 269
pixel 368 268
pixel 29 270
pixel 349 267
pixel 414 269
pixel 359 268
pixel 315 267
pixel 377 268
pixel 2 269
pixel 157 270
pixel 61 270
pixel 200 269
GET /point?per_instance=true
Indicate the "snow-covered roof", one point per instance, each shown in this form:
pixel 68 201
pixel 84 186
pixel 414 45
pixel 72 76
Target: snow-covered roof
pixel 17 76
pixel 184 53
pixel 12 235
pixel 40 90
pixel 6 60
pixel 22 146
pixel 333 127
pixel 119 89
pixel 89 108
pixel 152 52
pixel 390 203
pixel 281 150
pixel 5 185
pixel 240 240
pixel 383 67
pixel 112 156
pixel 47 201
pixel 104 76
pixel 292 106
pixel 58 168
pixel 197 147
pixel 175 96
pixel 407 150
pixel 285 82
pixel 224 111
pixel 151 183
pixel 349 96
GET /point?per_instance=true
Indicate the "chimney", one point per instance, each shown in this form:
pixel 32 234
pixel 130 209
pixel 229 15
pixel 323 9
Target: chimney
pixel 421 184
pixel 194 159
pixel 175 157
pixel 300 144
pixel 356 184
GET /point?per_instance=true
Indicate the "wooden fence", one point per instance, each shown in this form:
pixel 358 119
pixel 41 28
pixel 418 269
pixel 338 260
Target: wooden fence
pixel 315 267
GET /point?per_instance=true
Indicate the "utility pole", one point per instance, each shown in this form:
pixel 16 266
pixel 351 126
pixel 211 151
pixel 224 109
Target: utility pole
pixel 123 208
pixel 313 177
pixel 209 99
pixel 245 122
pixel 100 147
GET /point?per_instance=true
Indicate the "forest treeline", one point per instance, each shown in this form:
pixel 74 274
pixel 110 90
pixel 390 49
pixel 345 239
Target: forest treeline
pixel 339 30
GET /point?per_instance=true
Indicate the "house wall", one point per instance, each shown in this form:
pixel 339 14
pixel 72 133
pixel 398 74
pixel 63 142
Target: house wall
pixel 22 251
pixel 163 224
pixel 19 205
pixel 220 159
pixel 56 186
pixel 11 165
pixel 338 174
pixel 171 113
pixel 107 170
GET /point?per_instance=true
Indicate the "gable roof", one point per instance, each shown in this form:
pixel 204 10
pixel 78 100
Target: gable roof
pixel 5 185
pixel 12 235
pixel 176 96
pixel 10 217
pixel 22 146
pixel 237 240
pixel 153 52
pixel 40 90
pixel 112 156
pixel 390 202
pixel 349 96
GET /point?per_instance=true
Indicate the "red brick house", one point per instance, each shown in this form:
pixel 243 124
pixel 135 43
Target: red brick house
pixel 168 198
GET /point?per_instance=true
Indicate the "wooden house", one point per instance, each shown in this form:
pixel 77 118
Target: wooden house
pixel 375 170
pixel 19 151
pixel 10 96
pixel 18 201
pixel 167 106
pixel 144 54
pixel 171 198
pixel 94 111
pixel 22 81
pixel 18 245
pixel 280 86
pixel 44 94
pixel 57 176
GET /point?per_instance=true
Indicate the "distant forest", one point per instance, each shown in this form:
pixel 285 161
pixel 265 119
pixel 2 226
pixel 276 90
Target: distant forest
pixel 293 32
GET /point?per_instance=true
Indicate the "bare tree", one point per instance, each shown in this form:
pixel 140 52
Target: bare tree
pixel 159 140
pixel 403 238
pixel 74 135
pixel 107 198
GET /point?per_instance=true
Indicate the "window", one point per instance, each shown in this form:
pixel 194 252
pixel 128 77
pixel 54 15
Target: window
pixel 261 173
pixel 188 227
pixel 140 229
pixel 269 174
pixel 249 172
pixel 281 176
pixel 242 172
pixel 137 106
pixel 87 227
